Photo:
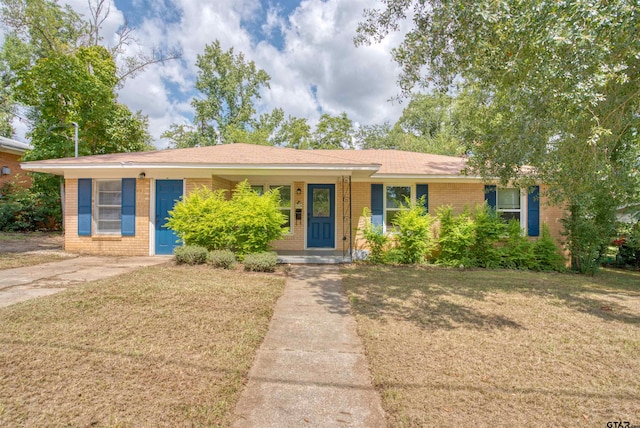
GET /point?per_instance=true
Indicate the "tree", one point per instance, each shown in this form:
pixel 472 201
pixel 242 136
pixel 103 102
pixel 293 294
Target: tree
pixel 428 124
pixel 333 132
pixel 229 86
pixel 294 133
pixel 552 85
pixel 80 88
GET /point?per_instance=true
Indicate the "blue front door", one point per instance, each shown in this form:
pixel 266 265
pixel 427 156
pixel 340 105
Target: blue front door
pixel 167 193
pixel 321 216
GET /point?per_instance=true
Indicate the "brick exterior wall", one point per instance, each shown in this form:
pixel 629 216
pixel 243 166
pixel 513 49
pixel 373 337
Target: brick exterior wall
pixel 17 175
pixel 108 245
pixel 458 195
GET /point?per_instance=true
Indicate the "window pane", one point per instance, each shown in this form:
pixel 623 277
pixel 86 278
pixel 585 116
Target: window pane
pixel 287 214
pixel 109 185
pixel 507 216
pixel 285 195
pixel 109 213
pixel 391 214
pixel 108 206
pixel 508 199
pixel 259 189
pixel 396 196
pixel 321 205
pixel 109 198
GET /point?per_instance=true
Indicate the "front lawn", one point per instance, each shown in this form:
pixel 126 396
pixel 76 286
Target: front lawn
pixel 452 347
pixel 162 346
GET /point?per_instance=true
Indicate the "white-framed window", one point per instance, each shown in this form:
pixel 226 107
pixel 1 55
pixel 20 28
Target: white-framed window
pixel 395 198
pixel 108 207
pixel 510 204
pixel 285 200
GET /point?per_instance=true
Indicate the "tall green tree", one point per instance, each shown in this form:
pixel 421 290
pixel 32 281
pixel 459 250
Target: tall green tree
pixel 333 132
pixel 229 86
pixel 554 85
pixel 78 87
pixel 294 133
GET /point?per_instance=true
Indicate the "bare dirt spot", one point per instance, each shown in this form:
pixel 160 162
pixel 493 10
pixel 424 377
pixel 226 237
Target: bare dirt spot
pixel 27 242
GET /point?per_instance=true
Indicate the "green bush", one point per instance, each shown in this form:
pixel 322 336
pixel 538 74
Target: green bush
pixel 546 253
pixel 375 238
pixel 202 218
pixel 222 259
pixel 245 224
pixel 23 210
pixel 414 232
pixel 261 262
pixel 191 255
pixel 455 238
pixel 517 251
pixel 256 220
pixel 489 229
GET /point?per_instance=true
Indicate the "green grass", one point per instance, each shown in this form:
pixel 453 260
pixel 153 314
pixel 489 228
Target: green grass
pixel 452 347
pixel 162 346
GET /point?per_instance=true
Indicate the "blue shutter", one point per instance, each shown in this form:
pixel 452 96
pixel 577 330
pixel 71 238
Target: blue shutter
pixel 128 227
pixel 377 207
pixel 423 190
pixel 84 207
pixel 533 211
pixel 490 196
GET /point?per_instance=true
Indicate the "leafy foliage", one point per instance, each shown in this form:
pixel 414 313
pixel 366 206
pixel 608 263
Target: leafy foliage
pixel 375 238
pixel 28 209
pixel 413 232
pixel 464 240
pixel 191 255
pixel 245 224
pixel 551 85
pixel 455 238
pixel 261 262
pixel 333 132
pixel 224 259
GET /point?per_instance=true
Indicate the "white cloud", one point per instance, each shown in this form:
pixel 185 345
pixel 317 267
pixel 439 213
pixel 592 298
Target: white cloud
pixel 317 51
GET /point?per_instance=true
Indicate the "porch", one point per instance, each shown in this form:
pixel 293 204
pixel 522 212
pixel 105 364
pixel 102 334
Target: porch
pixel 315 257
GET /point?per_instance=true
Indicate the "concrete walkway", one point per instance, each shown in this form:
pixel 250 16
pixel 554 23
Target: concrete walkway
pixel 19 284
pixel 311 369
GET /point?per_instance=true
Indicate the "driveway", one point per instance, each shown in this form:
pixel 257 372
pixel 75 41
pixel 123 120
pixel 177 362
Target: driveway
pixel 19 284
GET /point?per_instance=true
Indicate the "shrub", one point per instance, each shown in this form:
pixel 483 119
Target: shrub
pixel 456 236
pixel 517 251
pixel 414 232
pixel 547 254
pixel 191 255
pixel 24 210
pixel 222 259
pixel 489 229
pixel 245 224
pixel 202 218
pixel 261 262
pixel 256 220
pixel 375 238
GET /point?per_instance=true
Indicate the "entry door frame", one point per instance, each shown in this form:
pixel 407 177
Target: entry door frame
pixel 152 211
pixel 309 212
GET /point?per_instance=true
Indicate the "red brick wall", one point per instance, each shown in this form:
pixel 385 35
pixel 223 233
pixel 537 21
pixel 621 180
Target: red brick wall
pixel 17 174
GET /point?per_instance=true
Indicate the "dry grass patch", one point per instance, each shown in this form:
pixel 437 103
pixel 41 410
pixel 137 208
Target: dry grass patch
pixel 16 260
pixel 162 346
pixel 500 348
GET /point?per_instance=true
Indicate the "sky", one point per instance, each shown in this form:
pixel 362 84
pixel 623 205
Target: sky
pixel 305 46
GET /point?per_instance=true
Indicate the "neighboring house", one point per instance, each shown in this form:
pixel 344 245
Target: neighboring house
pixel 10 153
pixel 117 204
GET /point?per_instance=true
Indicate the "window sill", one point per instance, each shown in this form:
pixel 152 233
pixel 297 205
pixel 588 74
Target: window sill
pixel 106 238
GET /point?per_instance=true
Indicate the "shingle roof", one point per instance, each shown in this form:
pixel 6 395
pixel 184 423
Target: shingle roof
pixel 393 162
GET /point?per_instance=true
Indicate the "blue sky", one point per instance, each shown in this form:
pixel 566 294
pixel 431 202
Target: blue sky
pixel 305 46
